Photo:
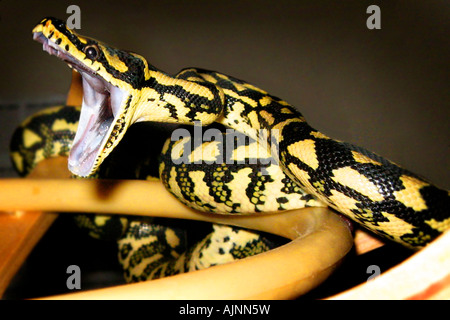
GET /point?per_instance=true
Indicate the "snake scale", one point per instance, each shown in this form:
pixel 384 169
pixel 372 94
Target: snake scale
pixel 293 166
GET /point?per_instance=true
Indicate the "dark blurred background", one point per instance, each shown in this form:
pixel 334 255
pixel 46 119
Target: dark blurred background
pixel 386 90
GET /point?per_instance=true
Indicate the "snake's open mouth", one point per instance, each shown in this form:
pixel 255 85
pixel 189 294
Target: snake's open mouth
pixel 101 105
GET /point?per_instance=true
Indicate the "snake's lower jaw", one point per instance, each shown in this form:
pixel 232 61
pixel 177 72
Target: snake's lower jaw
pixel 100 109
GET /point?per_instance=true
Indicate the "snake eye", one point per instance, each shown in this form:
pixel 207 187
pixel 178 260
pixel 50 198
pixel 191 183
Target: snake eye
pixel 91 52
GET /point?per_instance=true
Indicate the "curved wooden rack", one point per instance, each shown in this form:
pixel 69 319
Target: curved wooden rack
pixel 425 275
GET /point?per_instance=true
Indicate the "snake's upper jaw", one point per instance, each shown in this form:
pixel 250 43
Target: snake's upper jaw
pixel 53 49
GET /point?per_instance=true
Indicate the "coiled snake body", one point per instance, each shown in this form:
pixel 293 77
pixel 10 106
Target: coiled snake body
pixel 306 167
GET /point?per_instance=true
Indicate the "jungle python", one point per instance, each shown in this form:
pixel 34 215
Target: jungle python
pixel 122 88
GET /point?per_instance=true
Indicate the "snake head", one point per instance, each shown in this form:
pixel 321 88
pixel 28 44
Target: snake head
pixel 112 79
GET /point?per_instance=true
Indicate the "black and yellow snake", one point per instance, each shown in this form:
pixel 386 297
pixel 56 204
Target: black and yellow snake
pixel 293 164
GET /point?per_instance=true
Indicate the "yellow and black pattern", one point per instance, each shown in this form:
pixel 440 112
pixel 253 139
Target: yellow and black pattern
pixel 46 134
pixel 233 174
pixel 369 189
pixel 104 227
pixel 122 88
pixel 152 250
pixel 226 244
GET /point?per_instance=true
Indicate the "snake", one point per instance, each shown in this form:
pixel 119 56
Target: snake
pixel 255 155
